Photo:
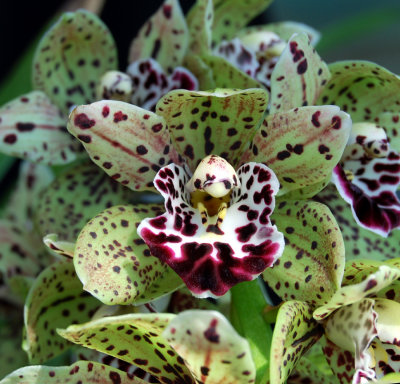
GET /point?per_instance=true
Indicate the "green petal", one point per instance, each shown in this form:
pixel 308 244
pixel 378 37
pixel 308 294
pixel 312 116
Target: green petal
pixel 74 198
pixel 129 143
pixel 200 19
pixel 202 72
pixel 32 128
pixel 81 372
pixel 366 90
pixel 232 15
pixel 302 145
pixel 211 348
pixel 55 300
pixel 113 262
pixel 294 333
pixel 71 58
pixel 311 267
pixel 59 247
pixel 33 179
pixel 226 75
pixel 163 38
pixel 388 323
pixel 217 122
pixel 21 252
pixel 350 294
pixel 387 360
pixel 353 328
pixel 341 361
pixel 284 29
pixel 360 243
pixel 136 339
pixel 298 77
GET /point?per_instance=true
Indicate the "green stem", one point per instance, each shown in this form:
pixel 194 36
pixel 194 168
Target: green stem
pixel 248 303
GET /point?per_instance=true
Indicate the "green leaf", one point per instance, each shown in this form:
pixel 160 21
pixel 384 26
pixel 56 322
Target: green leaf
pixel 55 300
pixel 219 122
pixel 312 264
pixel 294 333
pixel 113 262
pixel 80 372
pixel 32 128
pixel 248 319
pixel 359 242
pixel 129 143
pixel 71 58
pixel 211 348
pixel 302 145
pixel 136 339
pixel 367 91
pixel 199 20
pixel 74 197
pixel 299 76
pixel 164 37
pixel 232 15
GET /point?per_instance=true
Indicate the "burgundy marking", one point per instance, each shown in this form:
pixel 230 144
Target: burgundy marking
pixel 119 116
pixel 25 127
pixel 83 121
pixel 167 11
pixel 246 232
pixel 10 139
pixel 315 119
pixel 336 122
pixel 211 333
pixel 158 222
pixel 106 111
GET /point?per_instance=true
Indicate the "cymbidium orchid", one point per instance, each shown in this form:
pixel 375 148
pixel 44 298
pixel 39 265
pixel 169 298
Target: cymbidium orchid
pixel 212 241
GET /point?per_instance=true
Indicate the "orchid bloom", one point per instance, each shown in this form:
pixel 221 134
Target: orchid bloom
pixel 368 176
pixel 132 144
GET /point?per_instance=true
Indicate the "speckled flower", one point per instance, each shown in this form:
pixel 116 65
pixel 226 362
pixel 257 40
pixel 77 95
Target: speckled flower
pixel 132 144
pixel 368 175
pixel 359 324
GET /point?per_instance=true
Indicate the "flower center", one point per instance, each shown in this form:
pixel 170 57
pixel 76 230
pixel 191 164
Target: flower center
pixel 211 188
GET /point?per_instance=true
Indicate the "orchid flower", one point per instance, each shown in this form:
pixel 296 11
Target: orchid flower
pixel 358 321
pixel 368 175
pixel 221 122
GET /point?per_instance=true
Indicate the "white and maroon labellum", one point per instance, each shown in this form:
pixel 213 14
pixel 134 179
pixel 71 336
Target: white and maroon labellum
pixel 368 177
pixel 215 241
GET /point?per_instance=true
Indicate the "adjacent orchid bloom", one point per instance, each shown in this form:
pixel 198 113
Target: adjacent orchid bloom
pixel 368 175
pixel 359 321
pixel 362 323
pixel 68 63
pixel 132 144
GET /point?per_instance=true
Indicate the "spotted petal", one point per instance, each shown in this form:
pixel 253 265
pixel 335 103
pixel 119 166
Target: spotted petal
pixel 367 91
pixel 301 145
pixel 88 372
pixel 150 82
pixel 71 57
pixel 353 328
pixel 299 76
pixel 200 19
pixel 371 191
pixel 32 128
pixel 217 122
pixel 312 264
pixel 129 143
pixel 211 348
pixel 211 258
pixel 74 197
pixel 232 15
pixel 55 300
pixel 350 294
pixel 163 38
pixel 387 359
pixel 359 242
pixel 294 333
pixel 113 262
pixel 136 339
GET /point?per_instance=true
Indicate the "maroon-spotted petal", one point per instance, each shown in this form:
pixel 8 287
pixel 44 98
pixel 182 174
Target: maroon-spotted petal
pixel 150 82
pixel 371 191
pixel 214 256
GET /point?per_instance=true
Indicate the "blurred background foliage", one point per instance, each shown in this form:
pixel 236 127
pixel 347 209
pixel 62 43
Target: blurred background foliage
pixel 350 29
